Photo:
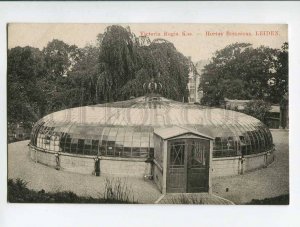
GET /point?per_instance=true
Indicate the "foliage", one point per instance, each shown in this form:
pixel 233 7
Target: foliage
pixel 278 85
pixel 125 65
pixel 117 60
pixel 257 109
pixel 18 192
pixel 116 190
pixel 240 71
pixel 278 200
pixel 60 58
pixel 63 76
pixel 25 100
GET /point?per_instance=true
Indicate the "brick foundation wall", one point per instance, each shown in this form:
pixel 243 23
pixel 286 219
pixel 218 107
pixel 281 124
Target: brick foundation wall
pixel 86 165
pixel 235 165
pixel 254 162
pixel 125 168
pixel 77 165
pixel 225 166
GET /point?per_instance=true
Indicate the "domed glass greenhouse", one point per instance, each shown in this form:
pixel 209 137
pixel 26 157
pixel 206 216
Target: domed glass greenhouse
pixel 125 129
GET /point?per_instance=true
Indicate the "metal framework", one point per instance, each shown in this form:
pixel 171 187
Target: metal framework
pixel 125 129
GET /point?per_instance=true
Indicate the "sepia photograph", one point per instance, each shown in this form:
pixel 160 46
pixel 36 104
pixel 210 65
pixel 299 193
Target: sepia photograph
pixel 148 113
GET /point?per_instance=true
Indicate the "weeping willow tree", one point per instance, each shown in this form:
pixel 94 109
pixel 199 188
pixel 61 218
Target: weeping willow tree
pixel 117 61
pixel 159 60
pixel 173 68
pixel 82 80
pixel 120 64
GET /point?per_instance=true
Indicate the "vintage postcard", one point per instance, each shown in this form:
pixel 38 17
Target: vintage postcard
pixel 148 113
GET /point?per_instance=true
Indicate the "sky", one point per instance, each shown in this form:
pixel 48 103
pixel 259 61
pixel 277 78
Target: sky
pixel 199 41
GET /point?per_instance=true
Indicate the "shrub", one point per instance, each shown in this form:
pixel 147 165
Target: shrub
pixel 257 109
pixel 115 192
pixel 118 191
pixel 278 200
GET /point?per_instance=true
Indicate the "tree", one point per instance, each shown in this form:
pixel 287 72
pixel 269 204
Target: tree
pixel 126 63
pixel 278 84
pixel 63 76
pixel 257 109
pixel 238 71
pixel 162 62
pixel 85 75
pixel 117 61
pixel 60 58
pixel 25 100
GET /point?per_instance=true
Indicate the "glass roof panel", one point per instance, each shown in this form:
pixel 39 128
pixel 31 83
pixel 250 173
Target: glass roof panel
pixel 131 123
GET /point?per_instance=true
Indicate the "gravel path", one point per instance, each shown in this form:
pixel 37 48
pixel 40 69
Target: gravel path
pixel 260 184
pixel 40 177
pixel 264 183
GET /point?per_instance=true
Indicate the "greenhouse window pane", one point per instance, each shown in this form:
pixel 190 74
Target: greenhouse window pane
pixel 144 152
pixel 145 138
pixel 144 144
pixel 217 143
pixel 119 151
pixel 127 143
pixel 103 142
pixel 256 140
pixel 111 137
pixel 230 143
pixel 68 140
pixel 87 147
pixel 73 148
pixel 87 142
pixel 87 151
pixel 74 140
pixel 80 146
pixel 95 145
pixel 110 151
pixel 128 137
pixel 94 151
pixel 95 142
pixel 151 152
pixel 111 143
pixel 102 150
pixel 67 149
pixel 135 152
pixel 67 145
pixel 120 136
pixel 136 143
pixel 127 152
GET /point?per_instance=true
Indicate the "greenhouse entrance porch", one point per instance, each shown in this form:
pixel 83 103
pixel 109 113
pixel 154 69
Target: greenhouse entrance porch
pixel 182 160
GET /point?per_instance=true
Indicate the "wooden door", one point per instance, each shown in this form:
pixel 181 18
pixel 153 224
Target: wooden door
pixel 176 178
pixel 197 165
pixel 188 165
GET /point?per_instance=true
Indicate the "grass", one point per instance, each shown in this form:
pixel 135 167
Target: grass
pixel 115 191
